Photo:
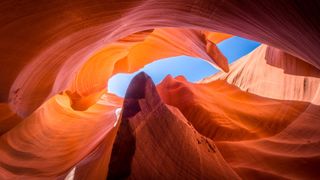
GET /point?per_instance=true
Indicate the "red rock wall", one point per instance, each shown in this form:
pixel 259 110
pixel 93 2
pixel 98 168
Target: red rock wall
pixel 261 114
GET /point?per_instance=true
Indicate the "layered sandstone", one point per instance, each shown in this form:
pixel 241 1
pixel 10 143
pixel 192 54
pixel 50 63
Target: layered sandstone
pixel 259 118
pixel 155 141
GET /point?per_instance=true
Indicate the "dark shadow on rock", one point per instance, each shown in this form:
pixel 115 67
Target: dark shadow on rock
pixel 125 143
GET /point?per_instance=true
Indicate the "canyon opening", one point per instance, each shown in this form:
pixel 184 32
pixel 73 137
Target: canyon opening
pixel 159 89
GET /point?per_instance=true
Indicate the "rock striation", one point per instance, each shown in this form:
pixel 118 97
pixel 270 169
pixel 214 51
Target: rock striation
pixel 257 119
pixel 155 141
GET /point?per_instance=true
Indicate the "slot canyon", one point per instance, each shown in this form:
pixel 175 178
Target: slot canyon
pixel 257 118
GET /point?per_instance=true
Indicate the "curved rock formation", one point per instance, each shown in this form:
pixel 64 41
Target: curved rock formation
pixel 267 127
pixel 260 116
pixel 156 141
pixel 223 112
pixel 128 55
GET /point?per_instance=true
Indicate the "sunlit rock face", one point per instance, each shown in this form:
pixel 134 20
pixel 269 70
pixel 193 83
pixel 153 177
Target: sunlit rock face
pixel 154 140
pixel 258 118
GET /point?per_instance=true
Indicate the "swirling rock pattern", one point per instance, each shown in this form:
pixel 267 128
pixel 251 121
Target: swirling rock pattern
pixel 259 118
pixel 148 128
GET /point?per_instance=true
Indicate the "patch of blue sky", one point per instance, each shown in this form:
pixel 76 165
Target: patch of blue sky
pixel 193 69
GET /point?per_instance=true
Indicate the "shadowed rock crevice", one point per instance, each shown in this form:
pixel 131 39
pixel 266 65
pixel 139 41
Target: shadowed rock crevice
pixel 155 141
pixel 124 146
pixel 48 47
pixel 122 152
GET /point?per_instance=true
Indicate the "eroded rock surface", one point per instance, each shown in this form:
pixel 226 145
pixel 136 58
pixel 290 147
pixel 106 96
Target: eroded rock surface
pixel 155 141
pixel 259 118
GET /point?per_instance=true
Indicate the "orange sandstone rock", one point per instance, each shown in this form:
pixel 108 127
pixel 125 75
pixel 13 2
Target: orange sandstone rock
pixel 155 141
pixel 57 121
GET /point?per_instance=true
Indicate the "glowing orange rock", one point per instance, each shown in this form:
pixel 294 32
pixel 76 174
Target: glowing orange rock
pixel 279 127
pixel 57 135
pixel 223 112
pixel 57 121
pixel 155 140
pixel 132 53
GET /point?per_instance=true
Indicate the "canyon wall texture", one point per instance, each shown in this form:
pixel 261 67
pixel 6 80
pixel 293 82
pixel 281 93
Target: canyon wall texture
pixel 257 118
